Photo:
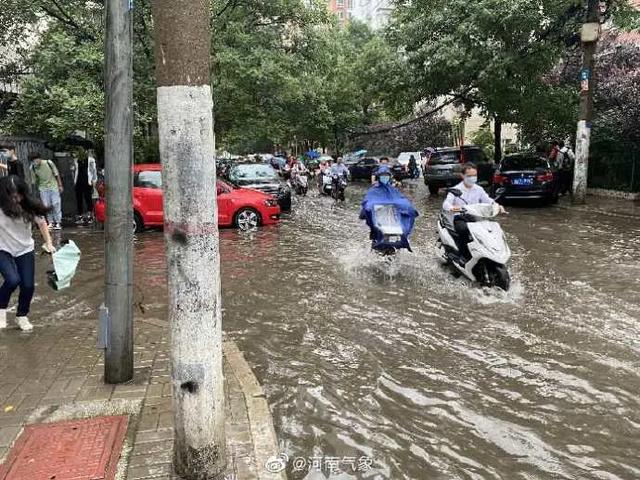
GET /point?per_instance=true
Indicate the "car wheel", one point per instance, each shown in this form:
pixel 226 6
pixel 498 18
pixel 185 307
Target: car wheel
pixel 433 189
pixel 138 223
pixel 247 219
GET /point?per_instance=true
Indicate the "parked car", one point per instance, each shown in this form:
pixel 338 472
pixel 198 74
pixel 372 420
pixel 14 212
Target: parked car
pixel 526 176
pixel 443 166
pixel 364 168
pixel 240 207
pixel 400 171
pixel 264 178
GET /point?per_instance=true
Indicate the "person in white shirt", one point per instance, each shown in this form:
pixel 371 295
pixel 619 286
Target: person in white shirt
pixel 472 193
pixel 18 212
pixel 339 168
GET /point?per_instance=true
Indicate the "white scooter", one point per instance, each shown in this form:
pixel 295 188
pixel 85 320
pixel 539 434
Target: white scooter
pixel 300 183
pixel 489 250
pixel 326 183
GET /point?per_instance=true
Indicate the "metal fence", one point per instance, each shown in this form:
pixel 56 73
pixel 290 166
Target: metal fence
pixel 615 168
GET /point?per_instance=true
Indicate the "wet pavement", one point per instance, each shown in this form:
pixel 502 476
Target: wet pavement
pixel 430 376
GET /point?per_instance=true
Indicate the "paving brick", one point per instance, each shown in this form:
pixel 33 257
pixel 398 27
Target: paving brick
pixel 165 420
pixel 143 437
pixel 155 458
pixel 13 419
pixel 148 422
pixel 8 435
pixel 154 391
pixel 151 471
pixel 152 447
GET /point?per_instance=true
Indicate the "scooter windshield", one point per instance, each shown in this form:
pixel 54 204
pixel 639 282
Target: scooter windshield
pixel 483 210
pixel 387 219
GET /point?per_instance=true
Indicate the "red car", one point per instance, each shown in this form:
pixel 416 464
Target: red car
pixel 240 207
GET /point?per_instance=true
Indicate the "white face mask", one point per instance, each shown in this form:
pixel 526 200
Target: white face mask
pixel 470 180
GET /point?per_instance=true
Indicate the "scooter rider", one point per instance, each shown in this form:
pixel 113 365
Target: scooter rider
pixel 472 193
pixel 298 168
pixel 384 162
pixel 383 188
pixel 339 168
pixel 381 179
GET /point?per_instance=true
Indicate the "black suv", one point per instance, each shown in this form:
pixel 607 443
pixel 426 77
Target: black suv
pixel 442 168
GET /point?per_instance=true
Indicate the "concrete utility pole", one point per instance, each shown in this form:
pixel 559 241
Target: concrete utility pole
pixel 589 36
pixel 118 154
pixel 185 120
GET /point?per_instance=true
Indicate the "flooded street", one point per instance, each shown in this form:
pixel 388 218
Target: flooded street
pixel 428 375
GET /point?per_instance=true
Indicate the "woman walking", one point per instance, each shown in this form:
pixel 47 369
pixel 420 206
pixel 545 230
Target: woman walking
pixel 18 212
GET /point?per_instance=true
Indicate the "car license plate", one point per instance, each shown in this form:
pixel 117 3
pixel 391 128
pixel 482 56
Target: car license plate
pixel 522 181
pixel 394 238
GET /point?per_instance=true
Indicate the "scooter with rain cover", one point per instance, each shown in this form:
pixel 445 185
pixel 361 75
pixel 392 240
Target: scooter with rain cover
pixel 390 217
pixel 488 245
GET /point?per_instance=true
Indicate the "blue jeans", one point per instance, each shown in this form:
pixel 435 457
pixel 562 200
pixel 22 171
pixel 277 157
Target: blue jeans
pixel 51 198
pixel 17 272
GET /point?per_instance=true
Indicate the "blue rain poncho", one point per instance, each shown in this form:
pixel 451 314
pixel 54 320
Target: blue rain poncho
pixel 405 214
pixel 65 262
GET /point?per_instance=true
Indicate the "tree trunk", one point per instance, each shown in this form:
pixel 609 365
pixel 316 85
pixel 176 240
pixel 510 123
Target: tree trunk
pixel 583 133
pixel 497 138
pixel 118 154
pixel 187 144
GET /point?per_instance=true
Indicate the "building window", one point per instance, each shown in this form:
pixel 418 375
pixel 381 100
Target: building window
pixel 350 4
pixel 340 15
pixel 340 3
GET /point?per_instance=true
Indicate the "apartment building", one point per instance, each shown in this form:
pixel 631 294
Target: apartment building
pixel 342 8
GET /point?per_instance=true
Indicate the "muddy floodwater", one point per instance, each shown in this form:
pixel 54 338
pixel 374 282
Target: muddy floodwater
pixel 428 375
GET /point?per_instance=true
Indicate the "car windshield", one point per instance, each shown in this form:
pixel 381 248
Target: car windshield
pixel 148 179
pixel 445 158
pixel 257 172
pixel 406 156
pixel 451 157
pixel 524 163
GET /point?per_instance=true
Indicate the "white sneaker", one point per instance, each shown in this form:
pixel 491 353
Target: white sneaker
pixel 24 324
pixel 57 226
pixel 3 319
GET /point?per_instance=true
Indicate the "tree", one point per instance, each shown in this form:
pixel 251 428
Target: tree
pixel 58 54
pixel 486 53
pixel 281 70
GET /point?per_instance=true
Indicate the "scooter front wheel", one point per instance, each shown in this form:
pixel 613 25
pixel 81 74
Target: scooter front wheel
pixel 499 277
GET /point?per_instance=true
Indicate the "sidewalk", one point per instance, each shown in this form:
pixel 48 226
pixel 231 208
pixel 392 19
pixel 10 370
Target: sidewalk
pixel 55 373
pixel 615 207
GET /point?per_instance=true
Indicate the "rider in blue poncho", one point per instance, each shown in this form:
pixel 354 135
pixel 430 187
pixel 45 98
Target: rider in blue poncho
pixel 388 213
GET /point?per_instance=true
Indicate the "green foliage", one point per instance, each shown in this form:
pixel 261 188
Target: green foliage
pixel 488 53
pixel 280 71
pixel 63 89
pixel 301 77
pixel 484 138
pixel 63 92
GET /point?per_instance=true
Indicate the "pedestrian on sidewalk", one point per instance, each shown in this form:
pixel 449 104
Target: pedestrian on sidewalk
pixel 49 185
pixel 18 212
pixel 553 154
pixel 566 163
pixel 85 177
pixel 15 165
